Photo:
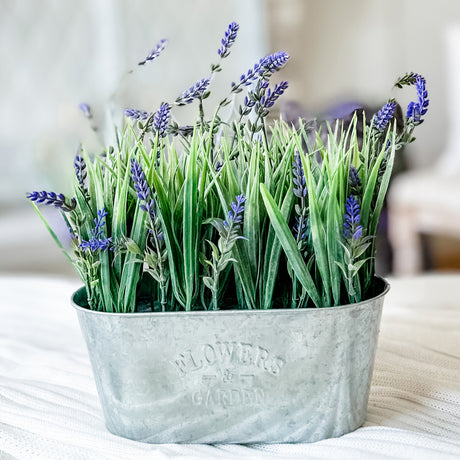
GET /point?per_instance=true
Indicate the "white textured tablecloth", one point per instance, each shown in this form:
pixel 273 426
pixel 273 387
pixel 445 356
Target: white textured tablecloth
pixel 49 407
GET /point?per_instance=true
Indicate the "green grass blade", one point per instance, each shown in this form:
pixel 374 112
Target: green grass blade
pixel 189 235
pixel 273 253
pixel 175 257
pixel 334 235
pixel 95 176
pixel 51 232
pixel 318 232
pixel 252 222
pixel 289 245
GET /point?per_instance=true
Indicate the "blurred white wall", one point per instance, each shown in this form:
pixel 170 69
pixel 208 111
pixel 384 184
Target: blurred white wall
pixel 357 48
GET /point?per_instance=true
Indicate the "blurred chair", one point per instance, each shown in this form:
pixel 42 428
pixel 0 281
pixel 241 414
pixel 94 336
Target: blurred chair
pixel 421 202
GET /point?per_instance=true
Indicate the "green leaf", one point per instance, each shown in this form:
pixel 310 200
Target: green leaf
pixel 208 282
pixel 252 214
pixel 132 247
pixel 119 218
pixel 52 233
pixel 334 226
pixel 360 250
pixel 318 231
pixel 190 225
pixel 175 258
pixel 290 246
pixel 273 252
pixel 214 249
pixel 95 176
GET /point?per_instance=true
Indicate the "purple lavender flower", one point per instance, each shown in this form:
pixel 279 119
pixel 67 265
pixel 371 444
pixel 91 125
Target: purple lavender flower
pixel 142 188
pixel 218 166
pixel 271 96
pixel 98 240
pixel 353 178
pixel 137 114
pixel 51 198
pixel 263 85
pixel 415 110
pixel 274 62
pixel 249 100
pixel 80 170
pixel 99 223
pixel 300 228
pixel 161 119
pixel 155 52
pixel 383 116
pixel 228 40
pixel 262 69
pixel 95 244
pixel 251 75
pixel 86 110
pixel 194 92
pixel 300 189
pixel 235 216
pixel 352 229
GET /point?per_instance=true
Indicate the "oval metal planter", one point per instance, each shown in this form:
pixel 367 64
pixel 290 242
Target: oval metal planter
pixel 234 376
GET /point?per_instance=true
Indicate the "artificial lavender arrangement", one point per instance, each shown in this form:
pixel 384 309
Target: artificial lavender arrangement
pixel 231 213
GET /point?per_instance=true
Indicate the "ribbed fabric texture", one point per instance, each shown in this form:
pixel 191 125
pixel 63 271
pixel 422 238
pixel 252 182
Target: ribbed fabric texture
pixel 49 407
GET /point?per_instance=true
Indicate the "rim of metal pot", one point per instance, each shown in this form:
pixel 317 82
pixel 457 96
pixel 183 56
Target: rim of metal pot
pixel 281 311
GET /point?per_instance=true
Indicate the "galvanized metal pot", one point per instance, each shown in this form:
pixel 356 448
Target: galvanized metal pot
pixel 234 376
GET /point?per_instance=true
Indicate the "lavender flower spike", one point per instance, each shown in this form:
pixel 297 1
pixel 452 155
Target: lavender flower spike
pixel 95 244
pixel 262 69
pixel 270 98
pixel 137 114
pixel 99 223
pixel 415 110
pixel 251 75
pixel 383 116
pixel 300 189
pixel 80 170
pixel 235 216
pixel 194 92
pixel 142 188
pixel 352 229
pixel 300 228
pixel 353 177
pixel 51 198
pixel 161 119
pixel 98 240
pixel 274 62
pixel 155 52
pixel 86 109
pixel 228 40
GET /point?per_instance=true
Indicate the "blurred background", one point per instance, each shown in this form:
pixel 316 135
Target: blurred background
pixel 56 54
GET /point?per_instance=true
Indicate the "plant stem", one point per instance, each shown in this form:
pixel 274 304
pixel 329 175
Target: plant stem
pixel 162 283
pixel 215 290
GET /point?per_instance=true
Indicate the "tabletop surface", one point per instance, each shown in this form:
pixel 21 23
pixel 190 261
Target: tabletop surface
pixel 49 407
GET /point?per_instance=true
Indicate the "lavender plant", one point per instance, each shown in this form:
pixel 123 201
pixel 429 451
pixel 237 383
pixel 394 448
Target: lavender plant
pixel 229 232
pixel 346 190
pixel 235 213
pixel 354 247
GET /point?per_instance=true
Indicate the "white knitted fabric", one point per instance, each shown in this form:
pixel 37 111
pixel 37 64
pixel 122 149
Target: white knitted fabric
pixel 49 407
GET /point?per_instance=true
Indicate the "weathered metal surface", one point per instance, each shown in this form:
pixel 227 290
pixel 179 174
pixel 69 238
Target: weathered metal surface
pixel 234 376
